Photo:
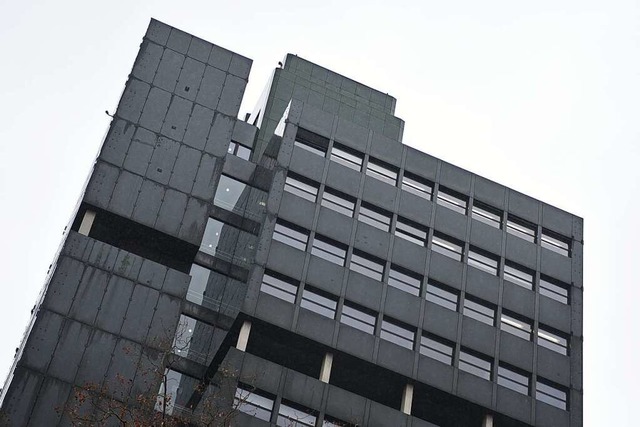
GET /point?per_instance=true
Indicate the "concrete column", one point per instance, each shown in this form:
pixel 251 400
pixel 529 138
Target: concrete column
pixel 325 372
pixel 87 222
pixel 407 399
pixel 488 421
pixel 243 338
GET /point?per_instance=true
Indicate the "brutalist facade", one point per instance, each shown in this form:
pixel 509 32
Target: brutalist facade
pixel 343 277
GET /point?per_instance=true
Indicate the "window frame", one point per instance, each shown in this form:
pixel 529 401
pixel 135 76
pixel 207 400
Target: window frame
pixel 275 289
pixel 436 351
pixel 298 415
pixel 548 286
pixel 335 257
pixel 235 150
pixel 347 157
pixel 334 205
pixel 299 243
pixel 415 184
pixel 328 303
pixel 382 171
pixel 452 200
pixel 479 259
pixel 305 140
pixel 514 379
pixel 363 265
pixel 404 229
pixel 510 273
pixel 444 248
pixel 240 403
pixel 486 214
pixel 363 325
pixel 516 325
pixel 439 297
pixel 555 242
pixel 397 332
pixel 301 186
pixel 474 308
pixel 470 362
pixel 554 395
pixel 521 228
pixel 375 216
pixel 403 284
pixel 554 340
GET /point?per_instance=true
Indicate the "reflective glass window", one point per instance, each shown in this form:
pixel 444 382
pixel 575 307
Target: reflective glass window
pixel 197 283
pixel 554 289
pixel 553 340
pixel 519 275
pixel 366 264
pixel 416 185
pixel 319 302
pixel 436 348
pixel 374 216
pixel 479 311
pixel 231 194
pixel 397 333
pixel 291 235
pixel 279 286
pixel 555 242
pixel 338 202
pixel 382 171
pixel 347 157
pixel 486 214
pixel 521 228
pixel 329 250
pixel 513 379
pixel 442 295
pixel 358 317
pixel 446 246
pixel 404 280
pixel 452 200
pixel 411 231
pixel 516 325
pixel 475 364
pixel 552 394
pixel 301 187
pixel 483 260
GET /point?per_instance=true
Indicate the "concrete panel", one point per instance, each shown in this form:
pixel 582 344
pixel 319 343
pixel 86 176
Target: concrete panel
pixel 402 306
pixel 127 265
pixel 162 161
pixel 307 164
pixel 220 58
pixel 138 157
pixel 132 101
pixel 325 275
pixel 514 404
pixel 89 296
pixel 148 203
pixel 550 416
pixel 231 95
pixel 286 260
pixel 102 255
pixel 179 40
pixel 316 327
pixel 124 362
pixel 114 304
pixel 415 208
pixel 383 416
pixel 441 321
pixel 555 265
pixel 475 389
pixel 184 169
pixel 199 49
pixel 240 66
pixel 244 133
pixel 351 135
pixel 171 212
pixel 554 366
pixel 486 237
pixel 152 274
pixel 96 359
pixel 455 178
pixel 42 340
pixel 386 149
pixel 343 179
pixel 194 221
pixel 371 240
pixel 445 270
pixel 395 358
pixel 69 352
pixel 198 127
pixel 451 223
pixel 165 320
pixel 211 87
pixel 364 290
pixel 335 225
pixel 421 164
pixel 346 405
pixel 125 194
pixel 483 285
pixel 523 206
pixel 205 179
pixel 355 342
pixel 521 251
pixel 478 336
pixel 52 396
pixel 140 312
pixel 158 32
pixel 557 220
pixel 176 283
pixel 435 373
pixel 175 123
pixel 117 142
pixel 555 314
pixel 155 109
pixel 147 61
pixel 379 193
pixel 489 192
pixel 297 210
pixel 275 311
pixel 63 285
pixel 220 135
pixel 168 70
pixel 101 184
pixel 516 351
pixel 409 255
pixel 21 396
pixel 518 299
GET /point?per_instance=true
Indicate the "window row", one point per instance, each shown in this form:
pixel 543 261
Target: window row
pixel 424 188
pixel 262 405
pixel 325 304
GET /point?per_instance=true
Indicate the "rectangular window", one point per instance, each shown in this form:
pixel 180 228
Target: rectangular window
pixel 479 311
pixel 521 228
pixel 477 365
pixel 279 286
pixel 329 250
pixel 411 231
pixel 397 333
pixel 301 187
pixel 519 275
pixel 436 348
pixel 452 200
pixel 552 394
pixel 319 302
pixel 231 194
pixel 347 157
pixel 382 171
pixel 358 317
pixel 555 242
pixel 291 235
pixel 446 246
pixel 404 280
pixel 442 295
pixel 366 264
pixel 198 284
pixel 338 202
pixel 239 150
pixel 292 415
pixel 219 239
pixel 554 289
pixel 253 403
pixel 199 349
pixel 416 185
pixel 311 142
pixel 374 216
pixel 513 379
pixel 175 396
pixel 553 340
pixel 486 214
pixel 516 325
pixel 483 261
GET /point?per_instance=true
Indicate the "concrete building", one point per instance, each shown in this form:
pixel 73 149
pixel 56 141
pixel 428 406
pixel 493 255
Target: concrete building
pixel 342 277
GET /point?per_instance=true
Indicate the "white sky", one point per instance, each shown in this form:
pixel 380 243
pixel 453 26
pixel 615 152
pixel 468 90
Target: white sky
pixel 542 96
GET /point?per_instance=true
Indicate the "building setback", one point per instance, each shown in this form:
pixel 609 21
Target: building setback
pixel 302 266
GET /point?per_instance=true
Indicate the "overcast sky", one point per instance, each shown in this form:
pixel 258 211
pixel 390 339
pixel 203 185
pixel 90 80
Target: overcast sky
pixel 542 96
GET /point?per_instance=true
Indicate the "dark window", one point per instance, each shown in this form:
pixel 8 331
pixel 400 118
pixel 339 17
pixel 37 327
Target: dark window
pixel 338 202
pixel 291 235
pixel 239 150
pixel 513 379
pixel 416 185
pixel 475 364
pixel 347 157
pixel 479 311
pixel 483 260
pixel 294 415
pixel 366 264
pixel 397 333
pixel 404 280
pixel 311 142
pixel 554 289
pixel 446 246
pixel 334 422
pixel 553 340
pixel 486 214
pixel 358 317
pixel 382 171
pixel 452 200
pixel 374 216
pixel 437 348
pixel 516 325
pixel 328 249
pixel 279 286
pixel 519 275
pixel 411 231
pixel 552 394
pixel 521 228
pixel 319 302
pixel 442 295
pixel 254 403
pixel 555 242
pixel 301 187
